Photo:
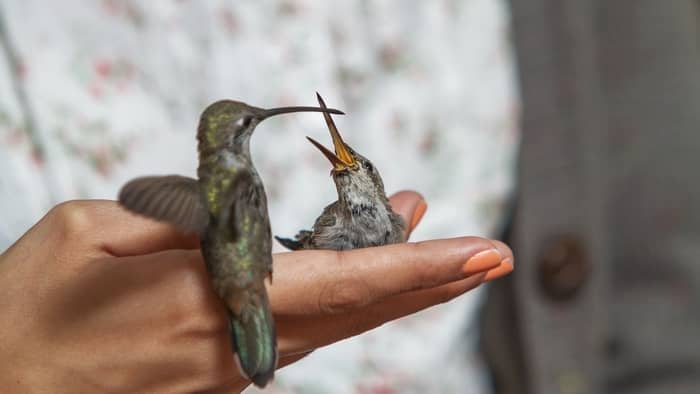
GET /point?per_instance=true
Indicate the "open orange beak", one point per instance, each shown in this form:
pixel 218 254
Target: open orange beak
pixel 342 158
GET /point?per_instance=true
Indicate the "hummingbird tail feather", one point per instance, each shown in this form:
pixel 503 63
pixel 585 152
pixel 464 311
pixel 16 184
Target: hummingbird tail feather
pixel 300 242
pixel 289 243
pixel 254 341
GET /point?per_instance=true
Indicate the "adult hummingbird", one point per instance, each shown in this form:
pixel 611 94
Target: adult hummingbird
pixel 227 207
pixel 362 216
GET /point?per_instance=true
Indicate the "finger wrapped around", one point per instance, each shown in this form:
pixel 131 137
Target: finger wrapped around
pixel 105 227
pixel 322 330
pixel 328 282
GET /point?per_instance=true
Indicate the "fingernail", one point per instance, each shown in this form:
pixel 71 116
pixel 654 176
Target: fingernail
pixel 418 213
pixel 505 268
pixel 482 261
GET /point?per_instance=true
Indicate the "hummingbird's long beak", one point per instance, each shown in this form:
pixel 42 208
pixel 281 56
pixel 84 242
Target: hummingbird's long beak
pixel 337 163
pixel 266 113
pixel 342 158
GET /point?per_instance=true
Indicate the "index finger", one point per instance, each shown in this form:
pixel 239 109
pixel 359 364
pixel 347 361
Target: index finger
pixel 327 282
pixel 108 228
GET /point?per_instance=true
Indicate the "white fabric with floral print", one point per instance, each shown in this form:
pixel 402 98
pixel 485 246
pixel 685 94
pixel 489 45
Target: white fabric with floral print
pixel 95 93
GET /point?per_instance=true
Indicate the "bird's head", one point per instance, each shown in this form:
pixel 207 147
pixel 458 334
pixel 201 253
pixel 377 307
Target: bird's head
pixel 229 123
pixel 355 176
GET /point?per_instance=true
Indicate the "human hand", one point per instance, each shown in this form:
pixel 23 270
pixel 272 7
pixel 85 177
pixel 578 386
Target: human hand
pixel 96 299
pixel 351 292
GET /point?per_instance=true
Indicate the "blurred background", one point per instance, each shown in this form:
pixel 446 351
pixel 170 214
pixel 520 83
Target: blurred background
pixel 605 296
pixel 567 127
pixel 94 94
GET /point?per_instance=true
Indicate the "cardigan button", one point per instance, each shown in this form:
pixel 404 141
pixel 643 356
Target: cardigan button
pixel 563 267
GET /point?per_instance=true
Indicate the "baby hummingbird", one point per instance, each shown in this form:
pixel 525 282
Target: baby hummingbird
pixel 227 207
pixel 362 216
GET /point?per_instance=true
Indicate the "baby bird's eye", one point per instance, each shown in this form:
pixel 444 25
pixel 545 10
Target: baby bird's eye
pixel 368 166
pixel 244 121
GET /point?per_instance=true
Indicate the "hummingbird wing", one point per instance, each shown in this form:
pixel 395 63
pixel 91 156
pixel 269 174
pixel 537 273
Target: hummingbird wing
pixel 327 219
pixel 173 198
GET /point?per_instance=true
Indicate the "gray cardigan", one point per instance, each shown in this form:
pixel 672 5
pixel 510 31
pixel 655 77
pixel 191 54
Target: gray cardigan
pixel 605 297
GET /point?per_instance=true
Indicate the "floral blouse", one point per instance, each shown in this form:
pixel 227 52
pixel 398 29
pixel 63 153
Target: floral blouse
pixel 95 93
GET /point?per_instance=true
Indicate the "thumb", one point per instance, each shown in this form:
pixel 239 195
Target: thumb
pixel 411 206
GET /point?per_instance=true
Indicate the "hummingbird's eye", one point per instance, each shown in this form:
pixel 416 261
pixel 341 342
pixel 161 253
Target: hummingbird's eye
pixel 244 121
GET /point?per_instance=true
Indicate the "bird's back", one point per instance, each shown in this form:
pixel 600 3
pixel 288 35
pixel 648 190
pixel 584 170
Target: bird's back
pixel 237 249
pixel 341 227
pixel 237 245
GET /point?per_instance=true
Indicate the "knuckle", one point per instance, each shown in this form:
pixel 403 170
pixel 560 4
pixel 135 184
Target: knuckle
pixel 343 295
pixel 425 272
pixel 72 217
